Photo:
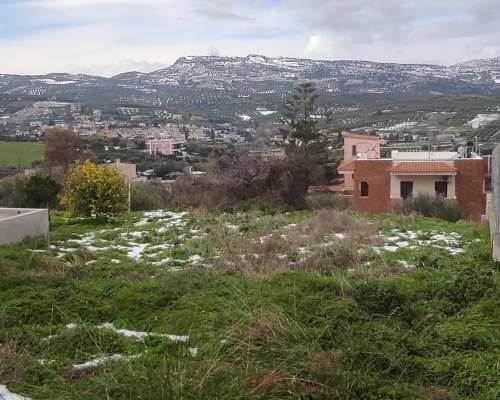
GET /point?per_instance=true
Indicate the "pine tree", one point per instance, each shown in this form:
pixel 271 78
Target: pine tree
pixel 305 147
pixel 300 128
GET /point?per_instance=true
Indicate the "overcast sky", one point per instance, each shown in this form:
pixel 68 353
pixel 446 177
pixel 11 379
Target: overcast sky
pixel 111 36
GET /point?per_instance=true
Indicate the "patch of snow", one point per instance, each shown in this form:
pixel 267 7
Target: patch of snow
pixel 196 259
pixel 162 262
pixel 482 120
pixel 53 82
pixel 405 264
pixel 267 112
pixel 136 252
pixel 6 394
pixel 193 351
pixel 391 249
pixel 96 362
pixel 142 335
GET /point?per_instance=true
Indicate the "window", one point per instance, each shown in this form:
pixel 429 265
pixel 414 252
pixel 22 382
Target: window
pixel 441 189
pixel 364 189
pixel 487 184
pixel 406 189
pixel 354 151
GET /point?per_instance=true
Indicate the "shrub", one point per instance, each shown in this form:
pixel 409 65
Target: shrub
pixel 317 201
pixel 91 190
pixel 150 196
pixel 229 180
pixel 429 206
pixel 41 191
pixel 12 193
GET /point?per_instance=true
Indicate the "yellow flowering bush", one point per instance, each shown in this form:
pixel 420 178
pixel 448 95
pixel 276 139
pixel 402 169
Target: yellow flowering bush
pixel 96 191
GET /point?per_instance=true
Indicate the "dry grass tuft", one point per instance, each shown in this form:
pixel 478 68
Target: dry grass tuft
pixel 263 330
pixel 262 382
pixel 44 265
pixel 328 240
pixel 266 327
pixel 13 359
pixel 73 373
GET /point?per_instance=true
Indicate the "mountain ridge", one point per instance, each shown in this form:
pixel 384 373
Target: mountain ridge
pixel 261 74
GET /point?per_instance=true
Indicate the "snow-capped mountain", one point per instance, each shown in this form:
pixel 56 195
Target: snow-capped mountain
pixel 255 73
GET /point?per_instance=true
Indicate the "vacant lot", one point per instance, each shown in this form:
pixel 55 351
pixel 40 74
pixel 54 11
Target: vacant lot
pixel 15 153
pixel 303 305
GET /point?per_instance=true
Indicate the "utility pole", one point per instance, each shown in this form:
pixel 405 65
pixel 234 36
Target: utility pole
pixel 129 197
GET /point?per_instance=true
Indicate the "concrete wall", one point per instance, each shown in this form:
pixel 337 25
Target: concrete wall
pixel 348 181
pixel 128 171
pixel 422 184
pixel 17 224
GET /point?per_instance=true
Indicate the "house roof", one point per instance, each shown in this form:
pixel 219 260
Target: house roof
pixel 424 167
pixel 346 166
pixel 361 136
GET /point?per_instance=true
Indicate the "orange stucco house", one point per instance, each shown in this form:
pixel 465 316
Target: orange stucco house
pixel 377 184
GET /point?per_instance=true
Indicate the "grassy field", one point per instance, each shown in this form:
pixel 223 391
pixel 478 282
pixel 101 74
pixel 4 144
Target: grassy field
pixel 302 305
pixel 15 153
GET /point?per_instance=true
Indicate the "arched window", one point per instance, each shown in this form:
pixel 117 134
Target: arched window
pixel 364 189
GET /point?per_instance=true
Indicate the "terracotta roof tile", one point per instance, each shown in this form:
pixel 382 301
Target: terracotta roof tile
pixel 424 167
pixel 346 166
pixel 361 136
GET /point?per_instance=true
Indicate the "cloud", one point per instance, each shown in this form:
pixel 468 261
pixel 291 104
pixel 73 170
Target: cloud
pixel 97 35
pixel 217 14
pixel 318 45
pixel 116 68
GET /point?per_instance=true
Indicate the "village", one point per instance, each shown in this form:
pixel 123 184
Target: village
pixel 249 200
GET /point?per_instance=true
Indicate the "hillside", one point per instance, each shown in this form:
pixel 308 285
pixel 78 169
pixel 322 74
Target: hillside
pixel 257 74
pixel 194 305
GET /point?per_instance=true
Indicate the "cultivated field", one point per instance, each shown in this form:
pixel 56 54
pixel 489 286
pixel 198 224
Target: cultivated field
pixel 186 304
pixel 20 153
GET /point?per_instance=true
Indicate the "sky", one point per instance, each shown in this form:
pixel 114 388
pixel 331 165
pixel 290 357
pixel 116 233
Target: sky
pixel 107 37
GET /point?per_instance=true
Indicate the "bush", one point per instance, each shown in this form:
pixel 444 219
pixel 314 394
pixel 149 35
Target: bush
pixel 41 191
pixel 433 207
pixel 317 201
pixel 94 191
pixel 150 196
pixel 12 193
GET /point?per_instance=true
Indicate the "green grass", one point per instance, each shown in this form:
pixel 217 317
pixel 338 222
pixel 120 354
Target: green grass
pixel 290 333
pixel 20 153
